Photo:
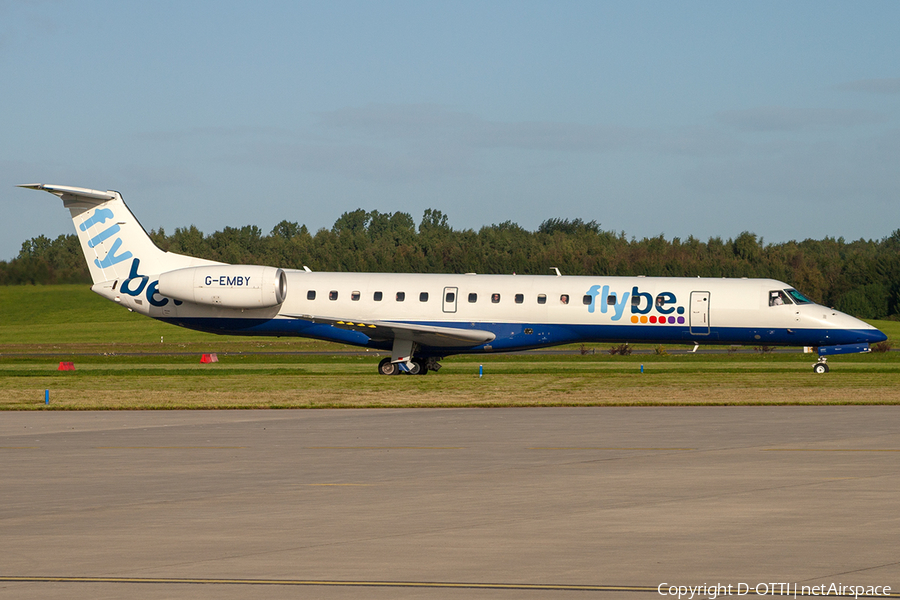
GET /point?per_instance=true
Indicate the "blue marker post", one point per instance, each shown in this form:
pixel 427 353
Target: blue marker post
pixel 46 396
pixel 480 370
pixel 642 368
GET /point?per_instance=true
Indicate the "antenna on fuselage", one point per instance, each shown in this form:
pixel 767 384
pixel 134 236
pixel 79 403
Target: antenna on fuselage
pixel 558 274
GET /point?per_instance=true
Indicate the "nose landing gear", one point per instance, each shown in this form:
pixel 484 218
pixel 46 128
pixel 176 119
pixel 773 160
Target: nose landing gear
pixel 821 366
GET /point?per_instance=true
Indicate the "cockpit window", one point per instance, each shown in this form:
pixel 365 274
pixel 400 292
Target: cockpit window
pixel 798 297
pixel 778 297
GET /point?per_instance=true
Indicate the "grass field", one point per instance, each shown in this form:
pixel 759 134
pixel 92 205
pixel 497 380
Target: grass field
pixel 40 326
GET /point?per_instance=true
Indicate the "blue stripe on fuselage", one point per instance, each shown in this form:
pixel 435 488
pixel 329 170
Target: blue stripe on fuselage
pixel 513 336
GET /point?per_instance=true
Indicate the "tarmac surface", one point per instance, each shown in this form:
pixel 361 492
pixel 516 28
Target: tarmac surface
pixel 447 503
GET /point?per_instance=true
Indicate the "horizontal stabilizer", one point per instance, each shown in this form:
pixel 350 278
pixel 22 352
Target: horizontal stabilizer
pixel 71 195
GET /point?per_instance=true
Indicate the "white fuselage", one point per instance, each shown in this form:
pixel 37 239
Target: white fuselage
pixel 421 317
pixel 525 311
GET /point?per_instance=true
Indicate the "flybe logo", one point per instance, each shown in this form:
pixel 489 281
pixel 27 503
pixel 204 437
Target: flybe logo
pixel 101 216
pixel 138 284
pixel 644 307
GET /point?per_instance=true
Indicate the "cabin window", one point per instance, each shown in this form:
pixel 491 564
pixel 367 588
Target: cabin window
pixel 423 296
pixel 378 296
pixel 611 300
pixel 450 297
pixel 401 296
pixel 636 300
pixel 332 295
pixel 529 331
pixel 473 297
pixel 542 298
pixel 311 295
pixel 587 299
pixel 354 296
pixel 564 299
pixel 520 298
pixel 495 298
pixel 664 303
pixel 778 298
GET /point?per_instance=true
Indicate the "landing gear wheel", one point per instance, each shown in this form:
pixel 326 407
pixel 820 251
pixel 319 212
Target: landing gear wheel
pixel 420 368
pixel 414 367
pixel 386 367
pixel 820 368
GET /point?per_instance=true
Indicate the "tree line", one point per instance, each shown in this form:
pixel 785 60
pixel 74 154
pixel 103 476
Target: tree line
pixel 859 277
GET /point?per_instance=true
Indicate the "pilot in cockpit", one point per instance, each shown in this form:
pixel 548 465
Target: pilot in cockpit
pixel 777 298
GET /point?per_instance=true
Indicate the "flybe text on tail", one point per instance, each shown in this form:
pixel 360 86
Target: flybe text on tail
pixel 99 217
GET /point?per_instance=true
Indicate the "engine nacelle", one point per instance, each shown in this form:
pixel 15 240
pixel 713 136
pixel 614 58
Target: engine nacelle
pixel 229 286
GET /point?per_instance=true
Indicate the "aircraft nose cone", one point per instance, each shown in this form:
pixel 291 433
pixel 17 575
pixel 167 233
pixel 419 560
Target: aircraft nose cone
pixel 866 334
pixel 875 336
pixel 859 329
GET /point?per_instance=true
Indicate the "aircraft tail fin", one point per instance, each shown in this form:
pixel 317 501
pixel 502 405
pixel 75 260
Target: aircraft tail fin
pixel 115 244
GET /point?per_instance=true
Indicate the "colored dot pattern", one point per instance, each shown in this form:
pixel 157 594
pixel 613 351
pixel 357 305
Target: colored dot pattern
pixel 653 319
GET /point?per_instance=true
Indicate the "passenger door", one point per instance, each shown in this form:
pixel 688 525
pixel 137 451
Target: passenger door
pixel 699 313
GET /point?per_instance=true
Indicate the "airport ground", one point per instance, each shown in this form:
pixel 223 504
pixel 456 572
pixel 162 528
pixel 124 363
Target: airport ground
pixel 599 502
pixel 125 361
pixel 341 381
pixel 569 497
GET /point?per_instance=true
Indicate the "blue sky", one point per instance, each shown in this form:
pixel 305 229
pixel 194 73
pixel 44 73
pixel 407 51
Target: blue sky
pixel 692 118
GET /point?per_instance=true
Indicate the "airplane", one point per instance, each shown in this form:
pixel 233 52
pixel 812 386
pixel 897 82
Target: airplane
pixel 422 318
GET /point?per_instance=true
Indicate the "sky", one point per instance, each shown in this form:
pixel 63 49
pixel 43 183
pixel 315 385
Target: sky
pixel 652 118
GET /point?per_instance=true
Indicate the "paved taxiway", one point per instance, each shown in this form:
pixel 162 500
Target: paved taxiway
pixel 620 497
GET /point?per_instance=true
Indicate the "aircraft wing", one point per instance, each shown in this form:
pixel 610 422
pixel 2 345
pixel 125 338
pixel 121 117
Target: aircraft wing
pixel 428 335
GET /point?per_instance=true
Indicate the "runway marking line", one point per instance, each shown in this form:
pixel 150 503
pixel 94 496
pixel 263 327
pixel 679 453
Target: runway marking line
pixel 599 448
pixel 340 484
pixel 384 584
pixel 384 448
pixel 332 583
pixel 170 447
pixel 831 450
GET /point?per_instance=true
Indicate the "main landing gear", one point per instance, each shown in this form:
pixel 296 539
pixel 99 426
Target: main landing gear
pixel 386 367
pixel 821 366
pixel 415 366
pixel 402 360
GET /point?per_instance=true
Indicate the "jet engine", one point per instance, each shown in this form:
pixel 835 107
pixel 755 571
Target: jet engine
pixel 229 286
